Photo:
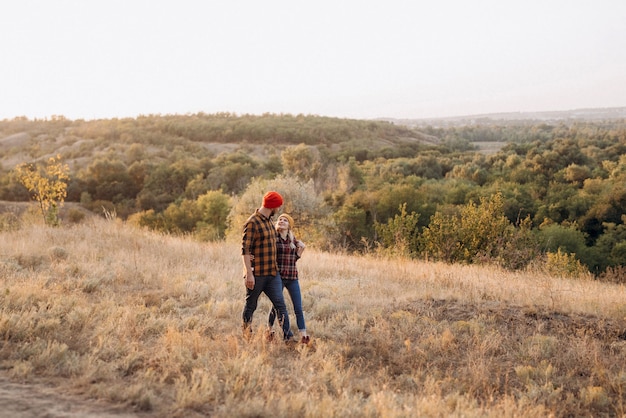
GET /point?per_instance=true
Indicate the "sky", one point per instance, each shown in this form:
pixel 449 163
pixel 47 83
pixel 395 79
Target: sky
pixel 92 59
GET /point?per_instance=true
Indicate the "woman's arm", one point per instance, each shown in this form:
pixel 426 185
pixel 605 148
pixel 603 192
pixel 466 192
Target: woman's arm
pixel 300 248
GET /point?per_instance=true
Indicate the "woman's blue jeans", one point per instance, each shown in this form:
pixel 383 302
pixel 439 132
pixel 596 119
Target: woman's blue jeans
pixel 293 287
pixel 273 288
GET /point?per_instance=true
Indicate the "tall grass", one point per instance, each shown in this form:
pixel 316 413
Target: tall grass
pixel 154 322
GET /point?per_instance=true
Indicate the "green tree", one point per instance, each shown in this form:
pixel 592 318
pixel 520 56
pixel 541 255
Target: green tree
pixel 232 172
pixel 610 248
pixel 108 179
pixel 47 185
pixel 484 229
pixel 205 218
pixel 400 234
pixel 440 240
pixel 349 227
pixel 214 207
pixel 165 183
pixel 566 238
pixel 302 161
pixel 480 233
pixel 390 200
pixel 576 174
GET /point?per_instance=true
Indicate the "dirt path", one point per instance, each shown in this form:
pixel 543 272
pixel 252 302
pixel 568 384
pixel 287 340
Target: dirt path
pixel 38 401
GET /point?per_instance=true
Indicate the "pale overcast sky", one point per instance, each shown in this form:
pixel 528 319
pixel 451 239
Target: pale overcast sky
pixel 86 59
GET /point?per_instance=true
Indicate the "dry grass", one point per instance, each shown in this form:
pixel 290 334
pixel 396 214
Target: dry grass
pixel 153 322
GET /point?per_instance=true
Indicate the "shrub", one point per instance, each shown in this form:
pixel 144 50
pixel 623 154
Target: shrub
pixel 58 254
pixel 75 215
pixel 480 234
pixel 47 185
pixel 441 240
pixel 565 264
pixel 566 238
pixel 400 234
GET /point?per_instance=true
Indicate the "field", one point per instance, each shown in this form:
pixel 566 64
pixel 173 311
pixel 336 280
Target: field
pixel 150 324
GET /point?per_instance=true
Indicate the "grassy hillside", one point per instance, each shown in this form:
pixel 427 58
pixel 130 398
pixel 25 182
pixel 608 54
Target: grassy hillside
pixel 153 322
pixel 156 137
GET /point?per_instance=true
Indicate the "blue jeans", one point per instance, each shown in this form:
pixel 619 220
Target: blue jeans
pixel 293 287
pixel 273 288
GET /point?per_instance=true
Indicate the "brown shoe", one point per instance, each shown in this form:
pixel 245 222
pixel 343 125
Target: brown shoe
pixel 305 339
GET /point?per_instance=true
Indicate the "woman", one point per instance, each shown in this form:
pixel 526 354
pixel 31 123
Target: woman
pixel 288 251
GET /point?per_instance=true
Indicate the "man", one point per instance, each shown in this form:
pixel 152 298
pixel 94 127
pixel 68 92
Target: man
pixel 258 250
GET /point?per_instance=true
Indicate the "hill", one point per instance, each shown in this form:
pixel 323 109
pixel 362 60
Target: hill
pixel 509 118
pixel 149 324
pixel 156 137
pixel 348 181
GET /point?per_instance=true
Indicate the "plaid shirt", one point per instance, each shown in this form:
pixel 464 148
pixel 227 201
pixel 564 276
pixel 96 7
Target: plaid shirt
pixel 287 258
pixel 259 239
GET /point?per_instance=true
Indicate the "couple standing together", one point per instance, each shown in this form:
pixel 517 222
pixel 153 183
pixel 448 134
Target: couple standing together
pixel 269 255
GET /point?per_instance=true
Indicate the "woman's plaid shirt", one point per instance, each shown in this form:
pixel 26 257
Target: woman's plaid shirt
pixel 259 239
pixel 287 258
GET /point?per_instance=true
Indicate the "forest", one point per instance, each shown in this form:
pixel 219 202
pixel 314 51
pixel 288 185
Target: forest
pixel 508 194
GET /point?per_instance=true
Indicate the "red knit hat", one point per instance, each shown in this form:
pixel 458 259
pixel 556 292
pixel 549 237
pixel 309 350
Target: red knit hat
pixel 272 200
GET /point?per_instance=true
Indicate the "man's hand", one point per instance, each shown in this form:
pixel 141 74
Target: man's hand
pixel 250 280
pixel 249 277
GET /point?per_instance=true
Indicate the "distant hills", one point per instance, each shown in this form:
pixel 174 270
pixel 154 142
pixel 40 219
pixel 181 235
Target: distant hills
pixel 558 116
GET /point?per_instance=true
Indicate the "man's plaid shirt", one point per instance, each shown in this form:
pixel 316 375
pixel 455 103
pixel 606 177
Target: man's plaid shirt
pixel 287 258
pixel 259 239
